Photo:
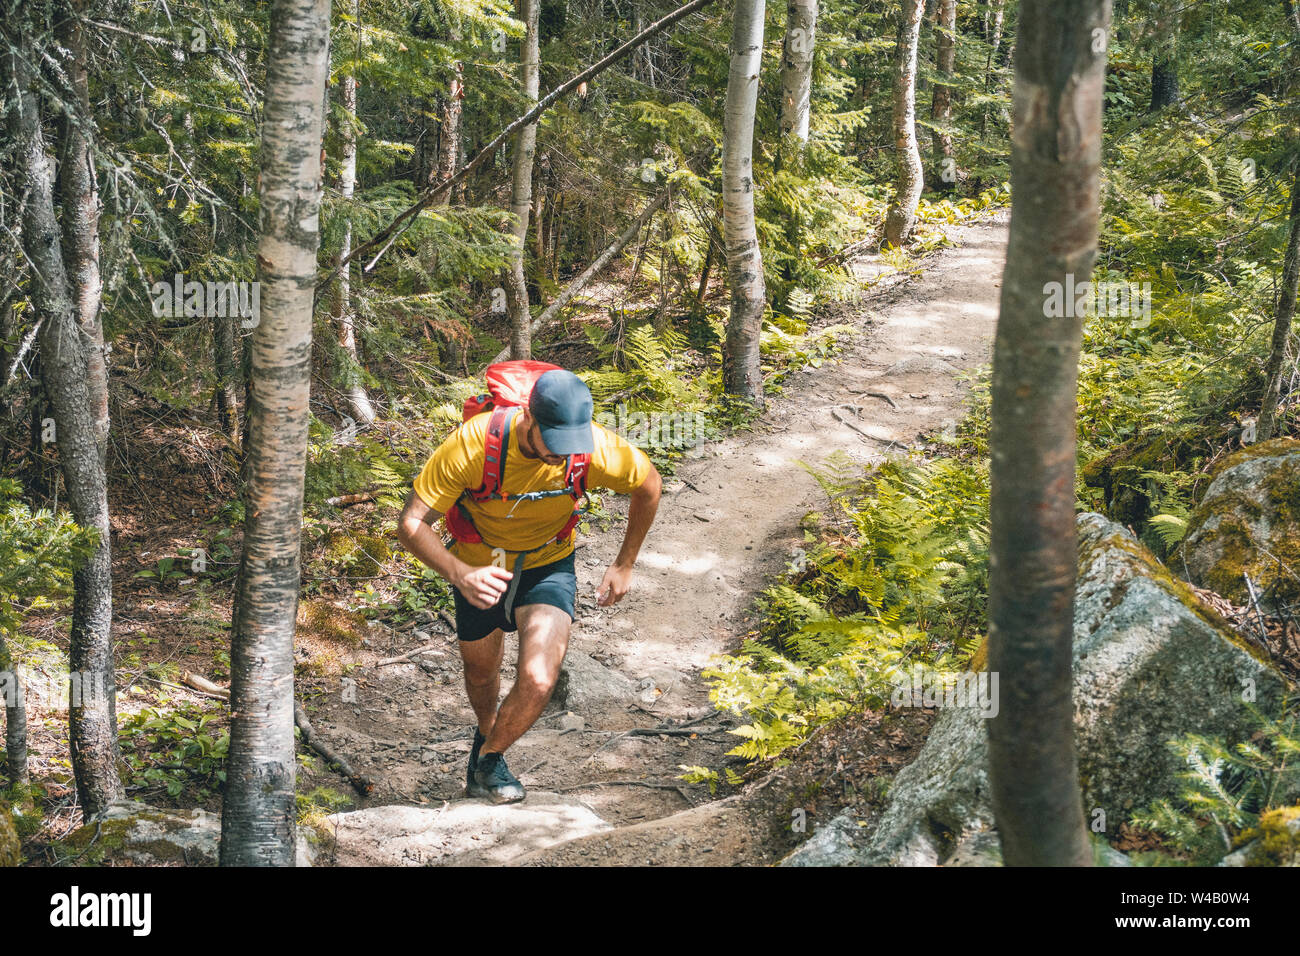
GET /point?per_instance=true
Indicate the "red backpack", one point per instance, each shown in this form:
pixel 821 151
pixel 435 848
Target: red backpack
pixel 509 386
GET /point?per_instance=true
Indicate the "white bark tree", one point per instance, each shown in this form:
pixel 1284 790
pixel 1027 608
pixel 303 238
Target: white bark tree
pixel 742 374
pixel 344 318
pixel 796 67
pixel 521 195
pixel 901 218
pixel 257 820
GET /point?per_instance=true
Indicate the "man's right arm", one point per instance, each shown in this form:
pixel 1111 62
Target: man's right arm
pixel 482 587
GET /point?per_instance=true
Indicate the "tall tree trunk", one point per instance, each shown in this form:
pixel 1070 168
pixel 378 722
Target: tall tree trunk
pixel 15 718
pixel 227 369
pixel 358 401
pixel 1164 67
pixel 450 124
pixel 521 201
pixel 995 40
pixel 901 218
pixel 1055 164
pixel 449 147
pixel 742 374
pixel 257 819
pixel 74 388
pixel 80 197
pixel 941 105
pixel 1164 84
pixel 796 67
pixel 1285 313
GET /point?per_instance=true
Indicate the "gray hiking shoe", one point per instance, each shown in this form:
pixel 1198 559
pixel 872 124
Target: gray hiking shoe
pixel 493 780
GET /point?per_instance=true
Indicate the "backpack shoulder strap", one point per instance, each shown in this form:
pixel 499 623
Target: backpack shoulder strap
pixel 575 475
pixel 496 444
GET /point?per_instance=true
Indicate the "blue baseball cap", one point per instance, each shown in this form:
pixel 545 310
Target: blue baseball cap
pixel 561 405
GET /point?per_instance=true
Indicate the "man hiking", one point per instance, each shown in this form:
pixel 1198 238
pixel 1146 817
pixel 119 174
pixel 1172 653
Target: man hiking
pixel 509 482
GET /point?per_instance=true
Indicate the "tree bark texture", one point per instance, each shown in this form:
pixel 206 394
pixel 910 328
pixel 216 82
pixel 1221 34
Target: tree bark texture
pixel 257 820
pixel 1055 166
pixel 901 217
pixel 742 373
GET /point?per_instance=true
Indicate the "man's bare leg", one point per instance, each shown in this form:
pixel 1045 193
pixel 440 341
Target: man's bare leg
pixel 543 639
pixel 483 676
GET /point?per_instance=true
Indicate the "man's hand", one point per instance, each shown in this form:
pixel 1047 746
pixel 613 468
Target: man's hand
pixel 483 586
pixel 616 583
pixel 640 514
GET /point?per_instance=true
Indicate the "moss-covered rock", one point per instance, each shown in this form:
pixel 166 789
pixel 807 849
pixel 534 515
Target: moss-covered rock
pixel 1275 841
pixel 1248 522
pixel 1120 473
pixel 10 848
pixel 1150 664
pixel 132 832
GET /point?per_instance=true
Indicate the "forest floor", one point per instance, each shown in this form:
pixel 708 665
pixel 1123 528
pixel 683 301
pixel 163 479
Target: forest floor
pixel 729 521
pixel 610 790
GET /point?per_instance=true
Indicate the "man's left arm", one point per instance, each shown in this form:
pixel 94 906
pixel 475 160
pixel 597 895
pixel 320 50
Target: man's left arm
pixel 640 515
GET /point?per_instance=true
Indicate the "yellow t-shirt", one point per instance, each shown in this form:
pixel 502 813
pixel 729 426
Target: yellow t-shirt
pixel 457 466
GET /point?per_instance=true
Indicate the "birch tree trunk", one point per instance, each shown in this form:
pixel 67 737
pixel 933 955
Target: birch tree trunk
pixel 741 373
pixel 1285 313
pixel 1055 165
pixel 945 55
pixel 521 201
pixel 76 390
pixel 796 67
pixel 257 819
pixel 449 148
pixel 449 129
pixel 358 401
pixel 901 218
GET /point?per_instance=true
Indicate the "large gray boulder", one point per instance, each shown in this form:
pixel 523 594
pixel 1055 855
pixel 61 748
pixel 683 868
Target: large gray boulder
pixel 131 831
pixel 586 686
pixel 1150 664
pixel 458 833
pixel 1248 522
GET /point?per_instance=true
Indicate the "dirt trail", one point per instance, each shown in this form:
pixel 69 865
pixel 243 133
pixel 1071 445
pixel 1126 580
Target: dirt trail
pixel 728 521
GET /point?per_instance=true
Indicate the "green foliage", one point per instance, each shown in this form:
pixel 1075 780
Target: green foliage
pixel 173 749
pixel 340 463
pixel 1228 790
pixel 899 575
pixel 39 551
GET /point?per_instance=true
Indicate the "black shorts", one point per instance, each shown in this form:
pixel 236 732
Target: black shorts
pixel 554 584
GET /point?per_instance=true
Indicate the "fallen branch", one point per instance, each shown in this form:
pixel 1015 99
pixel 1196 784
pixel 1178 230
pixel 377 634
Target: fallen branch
pixel 626 783
pixel 362 784
pixel 342 501
pixel 668 730
pixel 403 219
pixel 408 655
pixel 205 686
pixel 852 249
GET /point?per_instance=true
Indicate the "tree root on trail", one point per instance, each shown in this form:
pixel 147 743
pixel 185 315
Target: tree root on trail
pixel 835 411
pixel 360 782
pixel 629 783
